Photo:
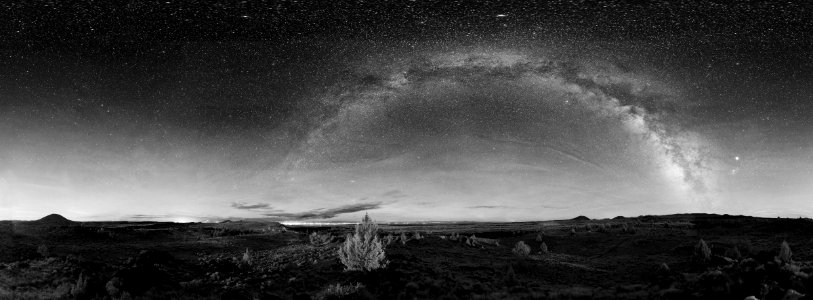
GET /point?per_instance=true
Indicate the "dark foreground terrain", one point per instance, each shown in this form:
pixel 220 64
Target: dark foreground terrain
pixel 629 258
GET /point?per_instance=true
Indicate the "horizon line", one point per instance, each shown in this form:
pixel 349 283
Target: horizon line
pixel 191 219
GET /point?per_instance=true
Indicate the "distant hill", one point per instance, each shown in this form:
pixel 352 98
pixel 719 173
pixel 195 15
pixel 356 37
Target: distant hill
pixel 54 219
pixel 581 218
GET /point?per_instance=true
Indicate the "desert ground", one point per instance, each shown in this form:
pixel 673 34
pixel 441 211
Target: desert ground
pixel 645 257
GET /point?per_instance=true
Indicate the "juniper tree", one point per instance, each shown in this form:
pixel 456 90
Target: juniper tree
pixel 363 250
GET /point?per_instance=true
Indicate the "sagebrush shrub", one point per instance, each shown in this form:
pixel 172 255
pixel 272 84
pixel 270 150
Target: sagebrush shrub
pixel 734 253
pixel 417 235
pixel 510 276
pixel 404 238
pixel 471 241
pixel 246 258
pixel 664 268
pixel 80 288
pixel 339 291
pixel 539 237
pixel 784 252
pixel 317 239
pixel 363 250
pixel 543 248
pixel 521 249
pixel 702 252
pixel 43 251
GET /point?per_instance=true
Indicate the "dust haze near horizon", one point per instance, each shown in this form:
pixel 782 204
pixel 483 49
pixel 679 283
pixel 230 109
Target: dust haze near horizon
pixel 520 122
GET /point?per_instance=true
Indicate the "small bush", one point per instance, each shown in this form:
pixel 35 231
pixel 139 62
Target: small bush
pixel 734 253
pixel 389 239
pixel 403 238
pixel 539 237
pixel 543 248
pixel 114 287
pixel 785 253
pixel 417 235
pixel 317 239
pixel 80 289
pixel 246 258
pixel 521 249
pixel 791 268
pixel 702 253
pixel 363 250
pixel 663 268
pixel 572 231
pixel 43 251
pixel 629 229
pixel 338 291
pixel 471 241
pixel 510 276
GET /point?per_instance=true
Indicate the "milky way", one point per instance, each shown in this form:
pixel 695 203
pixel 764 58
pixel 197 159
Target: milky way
pixel 490 113
pixel 557 130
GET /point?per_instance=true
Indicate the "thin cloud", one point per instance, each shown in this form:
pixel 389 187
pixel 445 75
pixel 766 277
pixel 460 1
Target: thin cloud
pixel 394 194
pixel 323 213
pixel 243 205
pixel 490 206
pixel 148 217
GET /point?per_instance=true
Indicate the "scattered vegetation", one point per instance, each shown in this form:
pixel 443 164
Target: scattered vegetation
pixel 655 264
pixel 320 239
pixel 403 238
pixel 626 228
pixel 521 249
pixel 363 250
pixel 339 291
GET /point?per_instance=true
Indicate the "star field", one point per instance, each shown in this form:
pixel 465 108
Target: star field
pixel 413 110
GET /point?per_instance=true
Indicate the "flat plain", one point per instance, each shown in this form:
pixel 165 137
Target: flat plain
pixel 645 257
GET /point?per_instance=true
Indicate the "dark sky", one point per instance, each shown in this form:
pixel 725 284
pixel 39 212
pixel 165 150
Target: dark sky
pixel 410 110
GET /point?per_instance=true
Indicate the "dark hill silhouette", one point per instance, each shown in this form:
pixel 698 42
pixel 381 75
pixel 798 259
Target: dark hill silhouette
pixel 54 219
pixel 581 218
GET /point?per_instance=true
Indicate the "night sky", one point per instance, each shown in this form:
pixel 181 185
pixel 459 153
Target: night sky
pixel 409 110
